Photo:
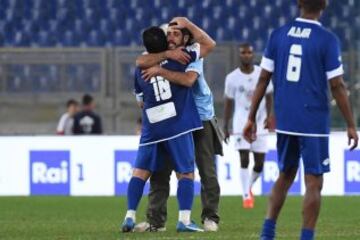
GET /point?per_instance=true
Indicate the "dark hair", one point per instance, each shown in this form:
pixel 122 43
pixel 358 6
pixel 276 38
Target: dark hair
pixel 87 99
pixel 71 102
pixel 245 45
pixel 312 6
pixel 184 32
pixel 154 40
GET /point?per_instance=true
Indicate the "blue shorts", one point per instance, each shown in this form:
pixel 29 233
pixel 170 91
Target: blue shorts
pixel 314 152
pixel 180 150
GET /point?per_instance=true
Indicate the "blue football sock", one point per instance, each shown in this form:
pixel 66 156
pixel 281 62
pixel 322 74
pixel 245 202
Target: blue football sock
pixel 134 192
pixel 268 230
pixel 307 234
pixel 185 193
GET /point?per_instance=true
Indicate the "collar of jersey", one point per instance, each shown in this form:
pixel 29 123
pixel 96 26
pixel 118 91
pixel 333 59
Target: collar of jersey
pixel 308 21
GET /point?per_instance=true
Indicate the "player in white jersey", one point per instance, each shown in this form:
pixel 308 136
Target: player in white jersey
pixel 66 121
pixel 239 88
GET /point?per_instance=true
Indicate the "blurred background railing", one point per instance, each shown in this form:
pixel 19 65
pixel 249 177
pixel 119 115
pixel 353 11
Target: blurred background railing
pixel 36 82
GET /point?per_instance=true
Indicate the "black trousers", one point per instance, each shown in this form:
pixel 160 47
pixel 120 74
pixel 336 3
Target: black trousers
pixel 207 142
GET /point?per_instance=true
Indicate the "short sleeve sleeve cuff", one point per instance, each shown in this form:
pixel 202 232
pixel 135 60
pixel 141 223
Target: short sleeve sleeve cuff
pixel 267 64
pixel 193 69
pixel 228 95
pixel 229 89
pixel 335 73
pixel 139 97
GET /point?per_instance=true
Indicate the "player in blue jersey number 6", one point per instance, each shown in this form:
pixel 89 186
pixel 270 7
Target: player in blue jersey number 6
pixel 302 58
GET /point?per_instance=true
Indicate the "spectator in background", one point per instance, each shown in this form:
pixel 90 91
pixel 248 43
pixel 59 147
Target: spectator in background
pixel 66 122
pixel 87 121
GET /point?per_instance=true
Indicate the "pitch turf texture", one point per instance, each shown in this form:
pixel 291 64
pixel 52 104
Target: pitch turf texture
pixel 99 218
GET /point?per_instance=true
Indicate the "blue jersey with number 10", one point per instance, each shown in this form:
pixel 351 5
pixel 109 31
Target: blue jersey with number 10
pixel 169 109
pixel 302 56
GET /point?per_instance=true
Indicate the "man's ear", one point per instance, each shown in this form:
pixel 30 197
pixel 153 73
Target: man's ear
pixel 186 39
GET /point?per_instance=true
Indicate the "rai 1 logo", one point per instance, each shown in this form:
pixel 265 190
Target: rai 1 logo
pixel 49 172
pixel 271 173
pixel 352 172
pixel 124 161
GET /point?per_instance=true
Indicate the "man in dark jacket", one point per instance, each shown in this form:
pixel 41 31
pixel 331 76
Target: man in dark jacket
pixel 86 121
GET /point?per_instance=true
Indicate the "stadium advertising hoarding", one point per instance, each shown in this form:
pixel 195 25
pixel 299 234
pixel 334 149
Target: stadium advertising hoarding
pixel 101 166
pixel 49 172
pixel 271 173
pixel 124 160
pixel 352 172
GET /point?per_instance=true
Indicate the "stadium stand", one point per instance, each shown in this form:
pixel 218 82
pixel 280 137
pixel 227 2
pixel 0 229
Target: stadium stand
pixel 51 50
pixel 91 23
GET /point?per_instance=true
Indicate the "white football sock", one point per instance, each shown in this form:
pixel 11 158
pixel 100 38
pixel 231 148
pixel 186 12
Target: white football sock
pixel 185 216
pixel 245 183
pixel 131 214
pixel 254 177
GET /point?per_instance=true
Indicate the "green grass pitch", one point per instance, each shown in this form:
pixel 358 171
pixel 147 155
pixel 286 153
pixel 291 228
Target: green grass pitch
pixel 99 218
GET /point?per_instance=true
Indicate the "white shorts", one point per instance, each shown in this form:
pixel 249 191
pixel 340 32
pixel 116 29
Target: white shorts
pixel 259 146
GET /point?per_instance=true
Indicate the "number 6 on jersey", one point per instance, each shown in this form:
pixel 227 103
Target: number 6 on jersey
pixel 294 64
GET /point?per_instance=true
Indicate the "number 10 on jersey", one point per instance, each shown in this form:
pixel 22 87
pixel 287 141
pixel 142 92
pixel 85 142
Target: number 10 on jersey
pixel 162 89
pixel 294 64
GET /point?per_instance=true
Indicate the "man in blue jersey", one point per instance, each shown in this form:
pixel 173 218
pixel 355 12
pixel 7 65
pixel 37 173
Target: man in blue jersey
pixel 207 140
pixel 169 116
pixel 302 58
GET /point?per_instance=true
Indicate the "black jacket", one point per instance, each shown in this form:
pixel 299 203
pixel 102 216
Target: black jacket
pixel 87 122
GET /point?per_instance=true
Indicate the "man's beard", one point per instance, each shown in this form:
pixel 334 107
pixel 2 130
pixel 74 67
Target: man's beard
pixel 174 45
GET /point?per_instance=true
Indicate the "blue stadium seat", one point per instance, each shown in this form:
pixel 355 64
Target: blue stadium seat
pixel 22 39
pixel 69 39
pixel 2 40
pixel 106 27
pixel 222 34
pixel 17 78
pixel 82 77
pixel 95 39
pixel 118 4
pixel 121 38
pixel 4 4
pixel 45 39
pixel 120 22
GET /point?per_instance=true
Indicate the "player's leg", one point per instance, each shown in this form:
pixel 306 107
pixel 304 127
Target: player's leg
pixel 259 148
pixel 185 196
pixel 245 178
pixel 182 153
pixel 145 163
pixel 276 201
pixel 258 167
pixel 256 172
pixel 315 154
pixel 311 205
pixel 159 193
pixel 278 193
pixel 288 157
pixel 210 189
pixel 134 194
